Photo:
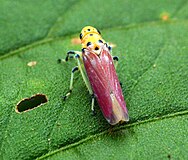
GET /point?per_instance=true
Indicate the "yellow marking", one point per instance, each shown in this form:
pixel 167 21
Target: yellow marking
pixel 116 108
pixel 92 35
pixel 118 112
pixel 88 30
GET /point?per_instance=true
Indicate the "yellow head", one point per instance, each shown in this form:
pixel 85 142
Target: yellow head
pixel 91 37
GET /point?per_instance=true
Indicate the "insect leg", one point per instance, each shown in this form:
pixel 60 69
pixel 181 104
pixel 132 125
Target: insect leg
pixel 70 54
pixel 115 58
pixel 92 104
pixel 78 57
pixel 86 80
pixel 71 82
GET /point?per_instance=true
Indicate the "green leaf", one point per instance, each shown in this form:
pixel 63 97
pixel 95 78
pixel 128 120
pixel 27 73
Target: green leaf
pixel 144 140
pixel 150 38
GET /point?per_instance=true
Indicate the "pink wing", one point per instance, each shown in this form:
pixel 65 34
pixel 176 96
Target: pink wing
pixel 105 84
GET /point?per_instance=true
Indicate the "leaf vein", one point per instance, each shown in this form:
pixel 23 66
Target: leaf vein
pixel 22 49
pixel 77 143
pixel 58 18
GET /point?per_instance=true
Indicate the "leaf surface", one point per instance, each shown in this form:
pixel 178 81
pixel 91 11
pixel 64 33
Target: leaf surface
pixel 150 39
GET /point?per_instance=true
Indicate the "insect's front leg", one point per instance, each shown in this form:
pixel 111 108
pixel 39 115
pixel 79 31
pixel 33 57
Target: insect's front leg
pixel 71 82
pixel 78 57
pixel 70 54
pixel 86 80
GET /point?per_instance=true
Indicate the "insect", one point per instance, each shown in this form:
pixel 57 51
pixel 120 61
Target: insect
pixel 97 67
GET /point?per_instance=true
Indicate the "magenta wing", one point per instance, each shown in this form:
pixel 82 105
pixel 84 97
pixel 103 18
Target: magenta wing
pixel 105 84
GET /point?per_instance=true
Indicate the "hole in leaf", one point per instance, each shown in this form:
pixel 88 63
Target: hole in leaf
pixel 27 104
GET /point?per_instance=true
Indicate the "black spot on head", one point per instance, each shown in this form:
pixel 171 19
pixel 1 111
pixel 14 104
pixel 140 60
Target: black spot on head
pixel 91 34
pixel 81 35
pixel 100 41
pixel 98 31
pixel 88 43
pixel 96 48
